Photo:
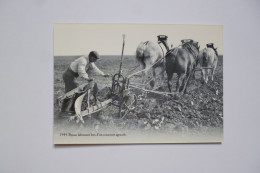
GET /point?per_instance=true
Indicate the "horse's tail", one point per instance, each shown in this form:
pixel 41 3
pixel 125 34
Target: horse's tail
pixel 204 57
pixel 140 53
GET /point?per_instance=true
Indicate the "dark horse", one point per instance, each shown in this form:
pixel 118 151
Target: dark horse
pixel 181 61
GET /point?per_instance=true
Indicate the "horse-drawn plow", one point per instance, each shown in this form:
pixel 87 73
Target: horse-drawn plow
pixel 120 93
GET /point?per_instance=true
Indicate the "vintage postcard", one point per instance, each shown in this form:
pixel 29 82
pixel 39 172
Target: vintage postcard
pixel 138 83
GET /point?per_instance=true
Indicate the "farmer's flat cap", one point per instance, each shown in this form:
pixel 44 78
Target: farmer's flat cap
pixel 94 54
pixel 210 45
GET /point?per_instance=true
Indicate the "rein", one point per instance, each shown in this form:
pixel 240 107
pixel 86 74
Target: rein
pixel 131 75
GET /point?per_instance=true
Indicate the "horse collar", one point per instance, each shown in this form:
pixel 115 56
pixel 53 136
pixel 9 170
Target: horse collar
pixel 215 50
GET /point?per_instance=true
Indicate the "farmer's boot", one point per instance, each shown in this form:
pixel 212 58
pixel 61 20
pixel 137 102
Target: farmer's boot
pixel 71 106
pixel 64 105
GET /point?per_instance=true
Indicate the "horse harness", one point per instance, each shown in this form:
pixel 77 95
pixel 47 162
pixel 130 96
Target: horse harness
pixel 211 45
pixel 215 50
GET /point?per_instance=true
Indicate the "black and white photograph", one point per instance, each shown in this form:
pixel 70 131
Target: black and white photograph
pixel 133 86
pixel 138 83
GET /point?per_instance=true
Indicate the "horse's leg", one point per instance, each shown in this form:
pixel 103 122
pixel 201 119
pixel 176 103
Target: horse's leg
pixel 193 75
pixel 195 66
pixel 204 75
pixel 169 81
pixel 154 74
pixel 183 79
pixel 154 77
pixel 186 82
pixel 162 78
pixel 179 84
pixel 214 68
pixel 213 71
pixel 207 73
pixel 162 74
pixel 144 74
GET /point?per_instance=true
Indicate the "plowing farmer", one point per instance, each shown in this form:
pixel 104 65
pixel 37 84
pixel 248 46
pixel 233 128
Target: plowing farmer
pixel 77 69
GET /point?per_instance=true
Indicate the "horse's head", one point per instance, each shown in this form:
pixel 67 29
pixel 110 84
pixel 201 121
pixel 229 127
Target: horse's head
pixel 163 39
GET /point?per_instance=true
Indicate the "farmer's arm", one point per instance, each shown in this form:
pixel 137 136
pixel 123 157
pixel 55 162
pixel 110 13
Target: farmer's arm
pixel 97 70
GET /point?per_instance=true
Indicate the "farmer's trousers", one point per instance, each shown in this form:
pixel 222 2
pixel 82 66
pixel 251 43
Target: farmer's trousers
pixel 69 78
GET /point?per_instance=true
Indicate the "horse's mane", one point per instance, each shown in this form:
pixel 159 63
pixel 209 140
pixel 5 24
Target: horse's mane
pixel 191 48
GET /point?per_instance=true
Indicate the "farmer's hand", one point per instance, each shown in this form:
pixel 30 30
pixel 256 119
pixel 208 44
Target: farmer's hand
pixel 82 87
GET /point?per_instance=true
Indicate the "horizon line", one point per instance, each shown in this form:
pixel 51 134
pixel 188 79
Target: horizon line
pixel 110 55
pixel 99 55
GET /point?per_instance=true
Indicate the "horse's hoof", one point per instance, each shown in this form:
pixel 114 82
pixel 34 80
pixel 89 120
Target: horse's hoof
pixel 72 118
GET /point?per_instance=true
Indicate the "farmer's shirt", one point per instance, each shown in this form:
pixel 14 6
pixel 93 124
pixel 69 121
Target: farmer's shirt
pixel 82 64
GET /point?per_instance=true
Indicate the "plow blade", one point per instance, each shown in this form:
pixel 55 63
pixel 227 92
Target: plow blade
pixel 78 104
pixel 90 110
pixel 98 107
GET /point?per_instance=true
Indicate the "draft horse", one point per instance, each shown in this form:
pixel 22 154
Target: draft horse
pixel 149 55
pixel 208 57
pixel 180 60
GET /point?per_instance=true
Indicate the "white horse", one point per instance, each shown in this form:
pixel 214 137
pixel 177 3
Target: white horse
pixel 147 53
pixel 208 58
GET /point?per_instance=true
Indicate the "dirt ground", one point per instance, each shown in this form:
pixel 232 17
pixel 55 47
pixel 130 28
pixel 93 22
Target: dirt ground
pixel 198 111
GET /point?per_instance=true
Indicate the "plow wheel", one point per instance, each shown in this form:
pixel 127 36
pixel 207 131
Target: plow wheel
pixel 118 83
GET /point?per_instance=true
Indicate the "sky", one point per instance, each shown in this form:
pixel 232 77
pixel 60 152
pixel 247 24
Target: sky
pixel 106 39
